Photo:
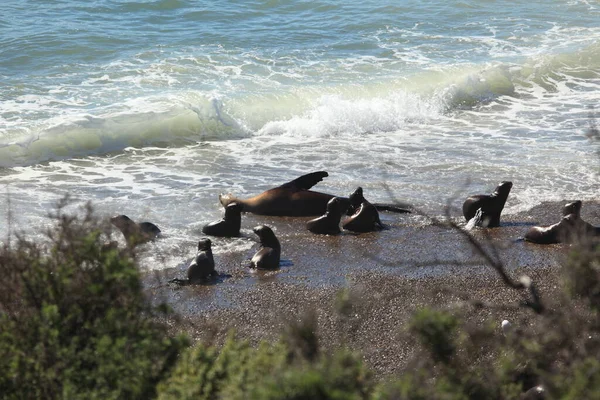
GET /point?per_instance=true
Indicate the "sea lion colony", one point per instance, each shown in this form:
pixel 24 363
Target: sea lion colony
pixel 295 198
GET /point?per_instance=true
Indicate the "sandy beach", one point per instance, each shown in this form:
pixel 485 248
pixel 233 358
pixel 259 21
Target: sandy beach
pixel 387 274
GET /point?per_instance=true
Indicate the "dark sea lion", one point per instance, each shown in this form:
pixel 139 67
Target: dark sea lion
pixel 269 253
pixel 570 229
pixel 135 233
pixel 557 233
pixel 572 208
pixel 229 226
pixel 491 205
pixel 295 199
pixel 203 266
pixel 363 215
pixel 329 223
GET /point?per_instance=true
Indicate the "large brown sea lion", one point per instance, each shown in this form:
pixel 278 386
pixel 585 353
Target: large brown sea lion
pixel 269 253
pixel 363 215
pixel 135 233
pixel 329 223
pixel 295 199
pixel 491 206
pixel 570 229
pixel 229 226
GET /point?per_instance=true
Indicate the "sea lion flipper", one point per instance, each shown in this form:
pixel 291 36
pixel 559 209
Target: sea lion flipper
pixel 305 182
pixel 149 228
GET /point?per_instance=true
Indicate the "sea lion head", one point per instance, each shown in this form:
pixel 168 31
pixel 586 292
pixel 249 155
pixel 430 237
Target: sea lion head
pixel 121 221
pixel 233 210
pixel 572 208
pixel 355 200
pixel 356 197
pixel 204 244
pixel 135 233
pixel 503 189
pixel 266 235
pixel 226 199
pixel 336 207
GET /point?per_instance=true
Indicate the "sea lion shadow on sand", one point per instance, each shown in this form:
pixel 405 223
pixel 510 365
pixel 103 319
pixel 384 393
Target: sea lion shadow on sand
pixel 283 263
pixel 214 279
pixel 211 280
pixel 517 224
pixel 476 222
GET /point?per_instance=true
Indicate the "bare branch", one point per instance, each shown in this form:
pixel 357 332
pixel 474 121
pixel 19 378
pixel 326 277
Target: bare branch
pixel 490 256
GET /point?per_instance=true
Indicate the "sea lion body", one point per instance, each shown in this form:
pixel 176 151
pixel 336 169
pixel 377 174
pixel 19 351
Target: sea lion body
pixel 292 199
pixel 135 233
pixel 295 199
pixel 229 226
pixel 570 229
pixel 283 202
pixel 269 253
pixel 364 217
pixel 491 205
pixel 563 231
pixel 329 223
pixel 203 265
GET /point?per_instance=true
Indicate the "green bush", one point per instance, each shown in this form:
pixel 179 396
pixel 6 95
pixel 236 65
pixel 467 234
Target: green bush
pixel 337 377
pixel 271 371
pixel 436 331
pixel 558 350
pixel 74 322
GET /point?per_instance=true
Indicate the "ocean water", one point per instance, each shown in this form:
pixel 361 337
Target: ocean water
pixel 153 108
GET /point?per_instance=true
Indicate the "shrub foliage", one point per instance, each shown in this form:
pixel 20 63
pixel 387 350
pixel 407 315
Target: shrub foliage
pixel 75 323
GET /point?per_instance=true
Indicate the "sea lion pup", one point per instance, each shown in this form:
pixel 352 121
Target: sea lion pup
pixel 363 215
pixel 491 206
pixel 570 229
pixel 294 199
pixel 135 233
pixel 329 223
pixel 269 253
pixel 203 266
pixel 229 226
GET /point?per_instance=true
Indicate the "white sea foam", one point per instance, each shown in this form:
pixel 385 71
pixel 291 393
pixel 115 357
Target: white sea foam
pixel 400 100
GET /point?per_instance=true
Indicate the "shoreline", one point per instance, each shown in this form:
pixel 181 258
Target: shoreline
pixel 387 274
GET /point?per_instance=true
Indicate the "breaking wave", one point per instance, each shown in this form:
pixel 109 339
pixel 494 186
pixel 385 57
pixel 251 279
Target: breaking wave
pixel 294 111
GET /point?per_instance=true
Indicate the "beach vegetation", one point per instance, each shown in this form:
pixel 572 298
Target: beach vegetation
pixel 75 322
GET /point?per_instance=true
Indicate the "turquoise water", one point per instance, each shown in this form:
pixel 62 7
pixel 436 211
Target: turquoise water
pixel 153 108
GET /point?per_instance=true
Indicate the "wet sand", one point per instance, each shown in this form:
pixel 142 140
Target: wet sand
pixel 388 274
